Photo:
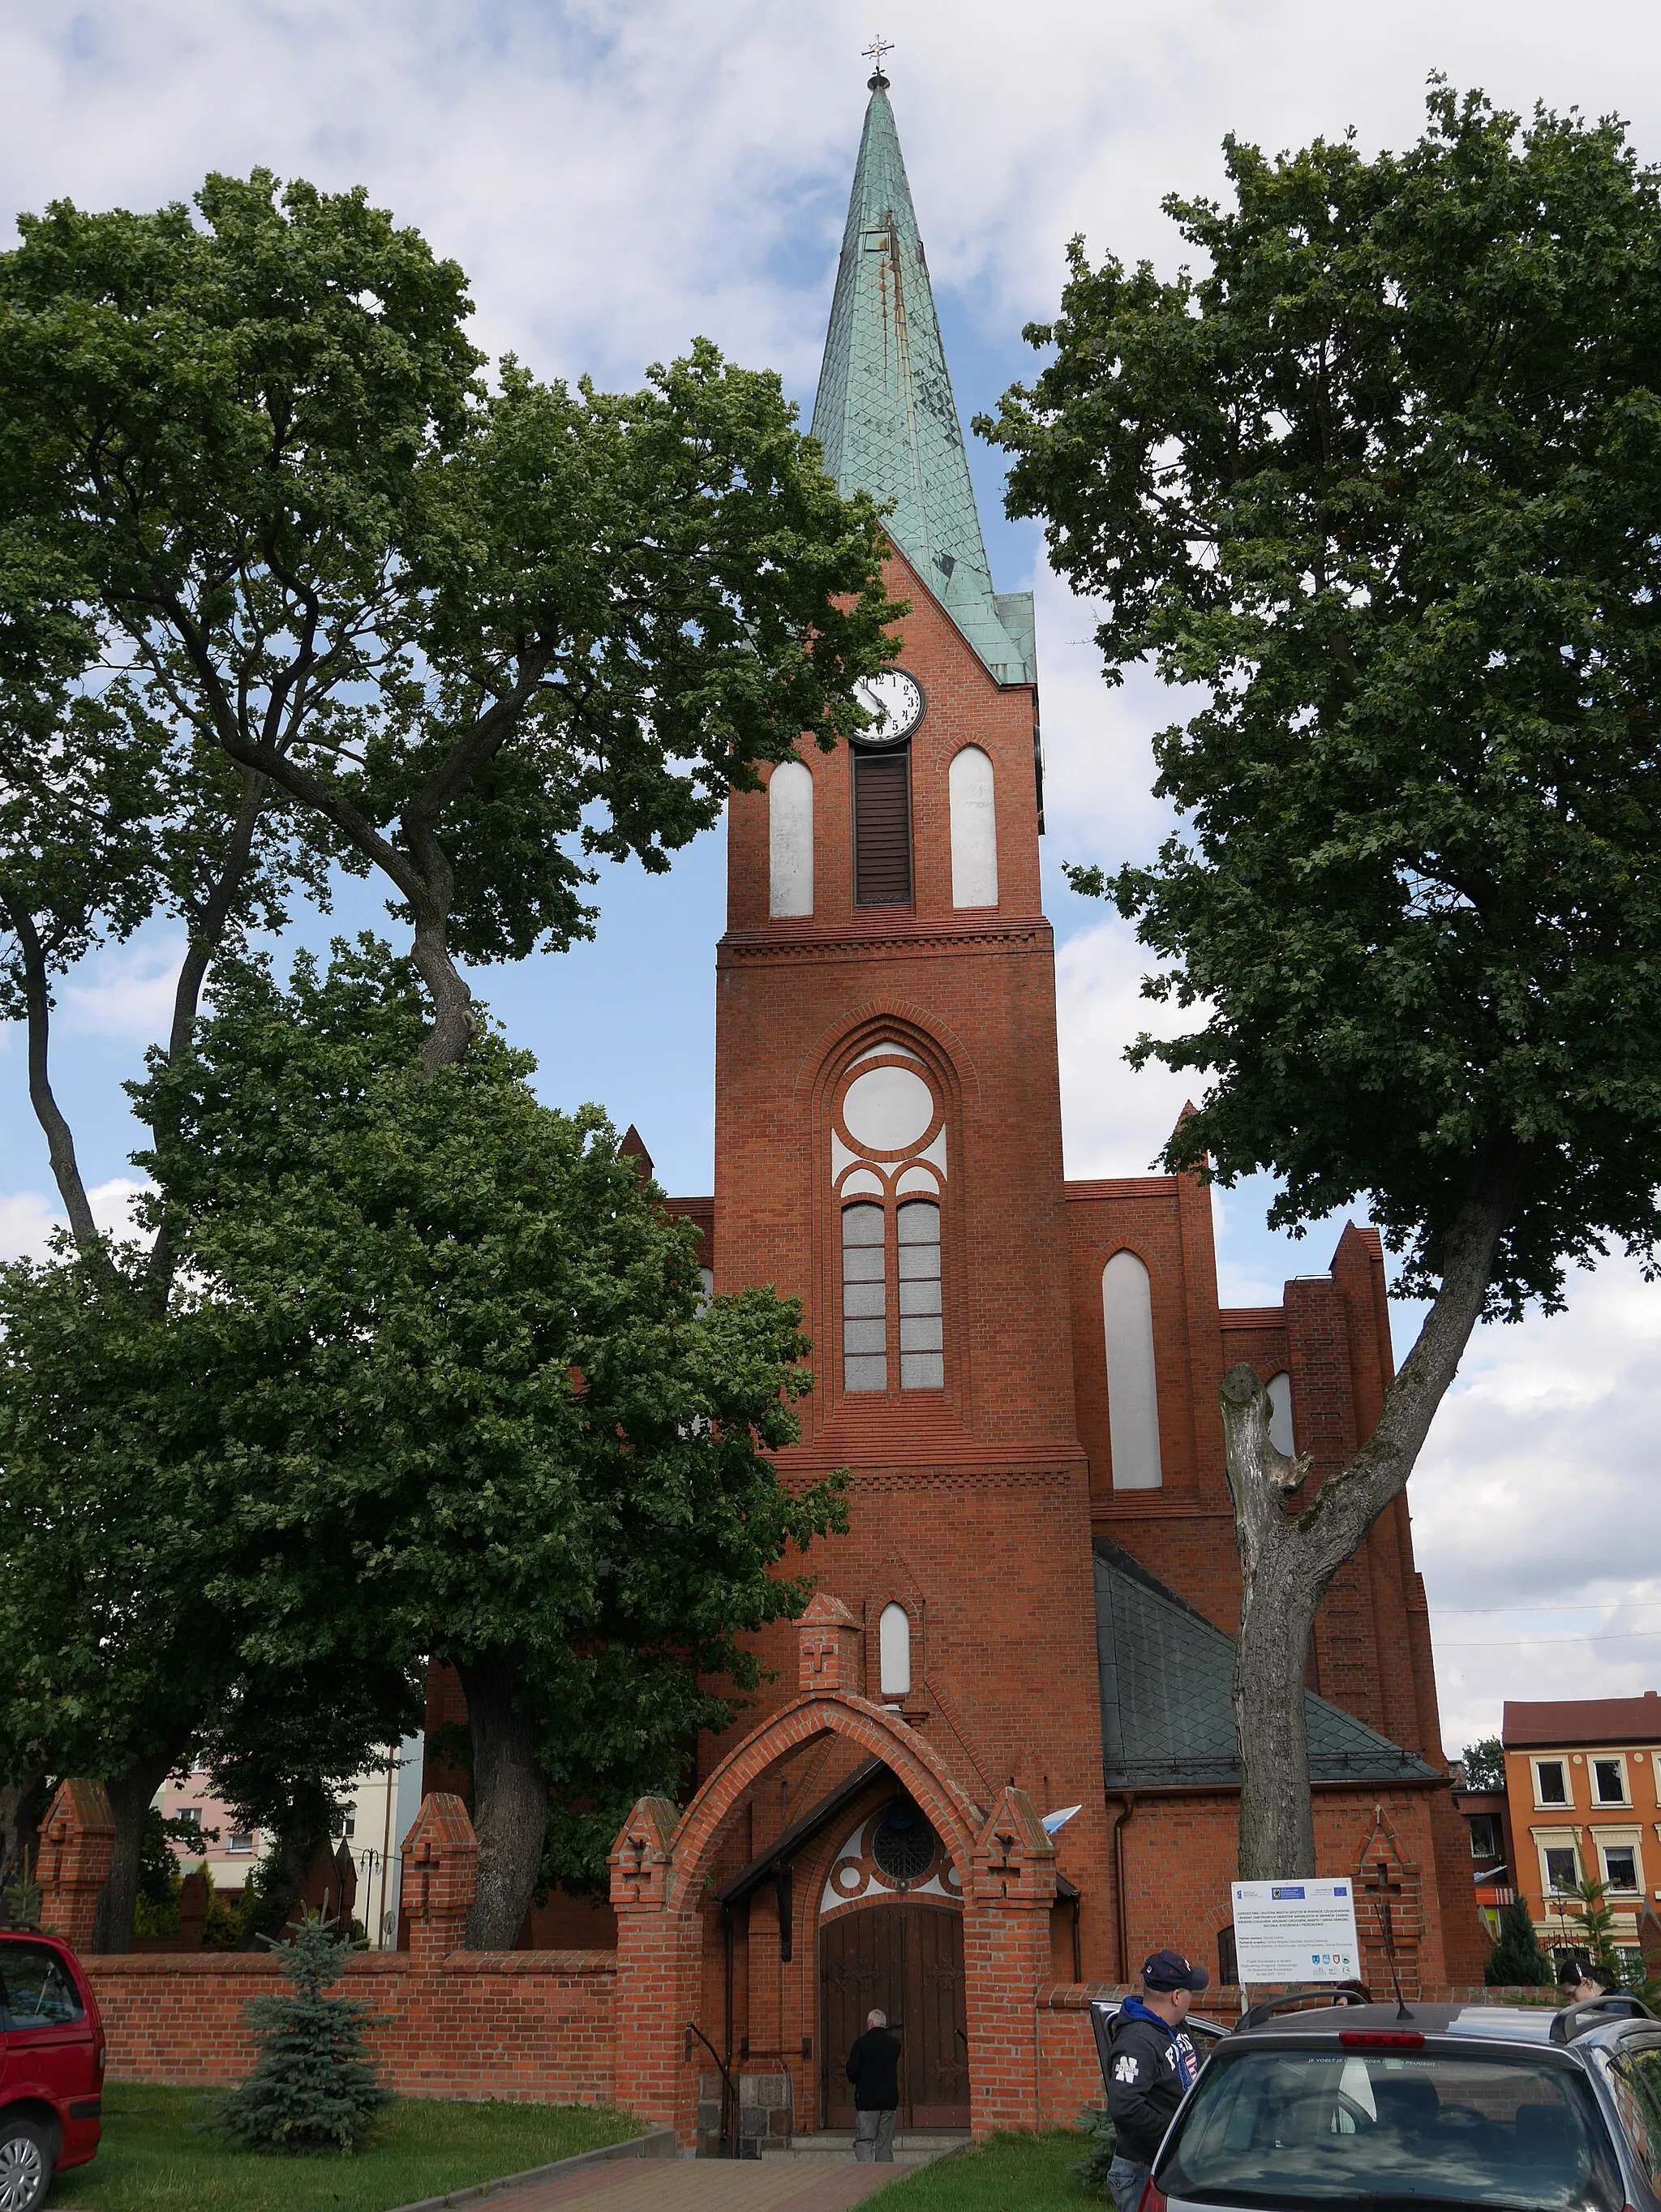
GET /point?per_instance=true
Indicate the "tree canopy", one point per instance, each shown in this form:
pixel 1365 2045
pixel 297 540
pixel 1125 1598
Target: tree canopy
pixel 1380 477
pixel 462 1397
pixel 474 630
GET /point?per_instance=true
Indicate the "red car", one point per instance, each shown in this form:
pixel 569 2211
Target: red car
pixel 52 2066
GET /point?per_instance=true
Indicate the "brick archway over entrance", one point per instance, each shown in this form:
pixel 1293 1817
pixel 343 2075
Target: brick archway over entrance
pixel 661 1860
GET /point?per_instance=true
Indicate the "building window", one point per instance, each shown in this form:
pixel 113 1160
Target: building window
pixel 921 1345
pixel 894 1652
pixel 974 829
pixel 239 1842
pixel 190 1815
pixel 1127 1312
pixel 865 1300
pixel 1609 1781
pixel 1562 1867
pixel 1620 1865
pixel 1484 1836
pixel 1279 1388
pixel 1550 1781
pixel 789 839
pixel 882 827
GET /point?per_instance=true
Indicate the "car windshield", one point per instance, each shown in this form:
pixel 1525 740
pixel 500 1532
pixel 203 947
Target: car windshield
pixel 1288 2128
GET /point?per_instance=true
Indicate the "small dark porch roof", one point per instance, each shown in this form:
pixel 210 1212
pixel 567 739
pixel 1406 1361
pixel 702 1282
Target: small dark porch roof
pixel 1168 1713
pixel 800 1834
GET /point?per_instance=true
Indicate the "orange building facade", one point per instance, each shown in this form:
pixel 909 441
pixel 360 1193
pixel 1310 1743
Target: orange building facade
pixel 1583 1788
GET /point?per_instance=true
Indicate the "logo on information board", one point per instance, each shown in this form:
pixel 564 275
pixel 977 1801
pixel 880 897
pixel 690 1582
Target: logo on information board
pixel 1283 1889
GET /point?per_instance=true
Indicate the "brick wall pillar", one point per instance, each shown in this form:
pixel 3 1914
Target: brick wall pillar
pixel 1006 1957
pixel 77 1844
pixel 659 1974
pixel 441 1859
pixel 1389 1903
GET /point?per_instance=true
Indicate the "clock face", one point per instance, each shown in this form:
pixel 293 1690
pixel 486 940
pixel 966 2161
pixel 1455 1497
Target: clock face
pixel 896 699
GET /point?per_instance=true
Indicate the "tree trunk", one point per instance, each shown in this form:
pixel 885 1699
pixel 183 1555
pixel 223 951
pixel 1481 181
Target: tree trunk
pixel 1276 1821
pixel 22 1803
pixel 130 1800
pixel 1288 1560
pixel 510 1802
pixel 60 1140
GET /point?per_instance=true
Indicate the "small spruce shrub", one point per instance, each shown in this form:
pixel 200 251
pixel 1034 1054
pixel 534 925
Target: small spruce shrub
pixel 1095 2123
pixel 1517 1959
pixel 23 1898
pixel 313 2088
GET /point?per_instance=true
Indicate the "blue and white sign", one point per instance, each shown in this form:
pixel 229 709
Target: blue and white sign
pixel 1295 1931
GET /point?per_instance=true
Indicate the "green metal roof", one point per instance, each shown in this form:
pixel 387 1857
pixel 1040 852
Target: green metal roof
pixel 1168 1711
pixel 885 414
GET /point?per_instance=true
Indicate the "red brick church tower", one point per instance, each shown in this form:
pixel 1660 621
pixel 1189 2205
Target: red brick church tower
pixel 1029 1614
pixel 996 1762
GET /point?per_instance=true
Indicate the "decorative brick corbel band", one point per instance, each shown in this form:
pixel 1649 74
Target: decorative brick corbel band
pixel 77 1845
pixel 440 1860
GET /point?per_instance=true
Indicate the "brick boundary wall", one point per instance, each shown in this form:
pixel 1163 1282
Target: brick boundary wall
pixel 533 2026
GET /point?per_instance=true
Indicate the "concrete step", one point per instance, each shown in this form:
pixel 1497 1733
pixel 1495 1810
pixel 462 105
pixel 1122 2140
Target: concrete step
pixel 912 2146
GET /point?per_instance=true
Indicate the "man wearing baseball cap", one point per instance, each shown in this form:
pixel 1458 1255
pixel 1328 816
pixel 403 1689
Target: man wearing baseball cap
pixel 1152 2063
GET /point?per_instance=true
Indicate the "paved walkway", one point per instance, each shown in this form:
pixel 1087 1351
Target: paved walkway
pixel 688 2184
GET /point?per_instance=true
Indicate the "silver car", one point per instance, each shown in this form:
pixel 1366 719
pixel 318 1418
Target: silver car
pixel 1512 2107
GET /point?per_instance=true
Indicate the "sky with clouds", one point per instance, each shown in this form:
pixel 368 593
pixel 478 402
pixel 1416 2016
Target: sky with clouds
pixel 616 175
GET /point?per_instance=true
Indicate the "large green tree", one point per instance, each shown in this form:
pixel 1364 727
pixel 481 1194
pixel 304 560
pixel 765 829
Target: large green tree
pixel 286 584
pixel 463 1397
pixel 476 631
pixel 1380 476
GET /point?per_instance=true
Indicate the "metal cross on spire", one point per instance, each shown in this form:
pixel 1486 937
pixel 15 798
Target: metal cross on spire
pixel 873 53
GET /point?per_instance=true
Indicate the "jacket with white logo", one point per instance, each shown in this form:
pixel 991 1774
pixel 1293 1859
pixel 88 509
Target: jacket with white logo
pixel 1150 2068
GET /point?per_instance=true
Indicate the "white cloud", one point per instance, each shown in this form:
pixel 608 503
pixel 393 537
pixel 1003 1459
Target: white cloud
pixel 29 1218
pixel 126 991
pixel 1114 1118
pixel 1537 1492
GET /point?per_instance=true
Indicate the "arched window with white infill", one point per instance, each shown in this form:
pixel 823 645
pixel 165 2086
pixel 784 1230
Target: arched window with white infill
pixel 1281 1432
pixel 894 1652
pixel 888 1171
pixel 1127 1313
pixel 789 839
pixel 969 784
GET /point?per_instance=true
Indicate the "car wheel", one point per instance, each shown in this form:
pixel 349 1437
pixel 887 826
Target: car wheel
pixel 27 2155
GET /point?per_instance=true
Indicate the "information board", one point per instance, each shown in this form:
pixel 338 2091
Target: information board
pixel 1295 1931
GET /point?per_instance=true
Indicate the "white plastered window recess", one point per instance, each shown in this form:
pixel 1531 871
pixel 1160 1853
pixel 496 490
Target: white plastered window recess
pixel 894 1652
pixel 790 840
pixel 972 793
pixel 1127 1313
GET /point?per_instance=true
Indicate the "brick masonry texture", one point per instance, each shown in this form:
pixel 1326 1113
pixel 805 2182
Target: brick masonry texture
pixel 535 2026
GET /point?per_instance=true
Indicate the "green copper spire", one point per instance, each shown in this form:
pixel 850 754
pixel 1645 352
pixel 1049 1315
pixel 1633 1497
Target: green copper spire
pixel 885 414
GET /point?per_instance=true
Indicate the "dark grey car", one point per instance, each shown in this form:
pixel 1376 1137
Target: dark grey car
pixel 1513 2107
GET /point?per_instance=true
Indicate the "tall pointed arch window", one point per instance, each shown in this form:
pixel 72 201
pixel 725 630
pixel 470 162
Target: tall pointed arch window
pixel 889 1173
pixel 882 827
pixel 1127 1313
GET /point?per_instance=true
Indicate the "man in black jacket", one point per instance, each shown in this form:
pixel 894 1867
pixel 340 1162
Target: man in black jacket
pixel 874 2070
pixel 1151 2064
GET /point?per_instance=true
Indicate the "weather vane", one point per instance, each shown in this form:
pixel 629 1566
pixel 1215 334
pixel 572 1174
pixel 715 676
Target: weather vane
pixel 873 53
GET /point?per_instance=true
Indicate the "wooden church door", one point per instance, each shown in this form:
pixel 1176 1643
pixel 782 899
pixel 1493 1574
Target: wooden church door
pixel 906 1960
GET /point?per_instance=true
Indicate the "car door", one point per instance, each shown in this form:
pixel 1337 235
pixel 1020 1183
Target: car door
pixel 1633 2075
pixel 48 2038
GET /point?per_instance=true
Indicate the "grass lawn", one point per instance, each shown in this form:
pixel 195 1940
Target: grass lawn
pixel 1010 2174
pixel 159 2154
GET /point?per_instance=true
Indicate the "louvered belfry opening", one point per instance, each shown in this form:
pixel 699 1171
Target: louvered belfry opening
pixel 882 827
